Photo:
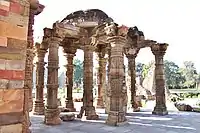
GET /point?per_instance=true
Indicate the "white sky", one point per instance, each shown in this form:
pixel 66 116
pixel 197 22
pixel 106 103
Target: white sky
pixel 176 22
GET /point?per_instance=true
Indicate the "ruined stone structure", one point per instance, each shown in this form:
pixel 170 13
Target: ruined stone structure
pixel 92 31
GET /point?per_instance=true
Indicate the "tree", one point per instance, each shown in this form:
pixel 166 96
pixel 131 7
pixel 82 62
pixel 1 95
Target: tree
pixel 174 79
pixel 190 73
pixel 78 71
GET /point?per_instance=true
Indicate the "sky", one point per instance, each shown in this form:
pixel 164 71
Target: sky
pixel 176 22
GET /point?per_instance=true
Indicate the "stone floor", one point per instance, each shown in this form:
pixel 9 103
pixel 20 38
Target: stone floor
pixel 139 122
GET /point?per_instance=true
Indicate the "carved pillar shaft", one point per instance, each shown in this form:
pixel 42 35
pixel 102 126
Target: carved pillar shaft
pixel 159 51
pixel 88 85
pixel 132 74
pixel 69 83
pixel 52 111
pixel 39 101
pixel 101 80
pixel 117 91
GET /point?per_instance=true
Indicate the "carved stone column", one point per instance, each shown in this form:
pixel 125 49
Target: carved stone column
pixel 69 83
pixel 159 52
pixel 131 72
pixel 52 111
pixel 88 85
pixel 101 79
pixel 116 115
pixel 39 101
pixel 107 90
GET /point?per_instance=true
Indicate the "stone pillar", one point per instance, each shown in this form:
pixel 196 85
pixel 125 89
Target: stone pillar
pixel 101 79
pixel 107 90
pixel 88 85
pixel 159 51
pixel 39 101
pixel 116 115
pixel 69 83
pixel 132 73
pixel 52 111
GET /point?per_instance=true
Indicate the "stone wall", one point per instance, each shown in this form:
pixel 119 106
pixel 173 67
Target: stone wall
pixel 14 16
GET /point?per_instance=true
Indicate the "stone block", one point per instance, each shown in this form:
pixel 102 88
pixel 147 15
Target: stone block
pixel 3 41
pixel 5 3
pixel 15 128
pixel 4 83
pixel 3 7
pixel 2 64
pixel 12 74
pixel 12 101
pixel 16 43
pixel 16 84
pixel 5 74
pixel 13 31
pixel 3 13
pixel 10 56
pixel 68 117
pixel 15 64
pixel 16 19
pixel 18 75
pixel 16 7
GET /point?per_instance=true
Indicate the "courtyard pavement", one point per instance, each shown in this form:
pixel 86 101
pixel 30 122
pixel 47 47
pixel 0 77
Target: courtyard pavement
pixel 138 122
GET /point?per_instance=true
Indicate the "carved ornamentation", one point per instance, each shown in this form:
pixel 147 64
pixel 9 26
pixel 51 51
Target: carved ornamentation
pixel 52 111
pixel 159 51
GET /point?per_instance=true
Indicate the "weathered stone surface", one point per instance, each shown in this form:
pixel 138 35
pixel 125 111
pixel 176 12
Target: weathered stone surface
pixel 16 84
pixel 3 41
pixel 2 64
pixel 12 101
pixel 15 128
pixel 16 19
pixel 3 12
pixel 10 56
pixel 16 43
pixel 16 7
pixel 15 64
pixel 68 117
pixel 13 31
pixel 11 74
pixel 4 83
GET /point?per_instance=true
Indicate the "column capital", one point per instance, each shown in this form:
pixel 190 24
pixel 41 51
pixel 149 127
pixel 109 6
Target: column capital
pixel 131 53
pixel 159 49
pixel 117 40
pixel 89 47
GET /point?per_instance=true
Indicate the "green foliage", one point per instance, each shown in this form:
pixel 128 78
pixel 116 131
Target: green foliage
pixel 173 76
pixel 78 71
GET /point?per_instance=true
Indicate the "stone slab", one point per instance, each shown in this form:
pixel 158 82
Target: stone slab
pixel 16 19
pixel 12 101
pixel 12 56
pixel 3 41
pixel 3 13
pixel 15 128
pixel 12 74
pixel 11 118
pixel 16 43
pixel 13 31
pixel 4 83
pixel 16 7
pixel 15 64
pixel 12 51
pixel 2 64
pixel 16 84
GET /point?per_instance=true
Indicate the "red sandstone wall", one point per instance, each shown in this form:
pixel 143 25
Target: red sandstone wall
pixel 14 16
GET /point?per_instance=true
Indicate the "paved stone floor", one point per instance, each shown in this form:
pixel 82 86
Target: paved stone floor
pixel 139 122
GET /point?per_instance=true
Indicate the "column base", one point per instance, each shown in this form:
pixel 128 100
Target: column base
pixel 100 103
pixel 52 117
pixel 89 113
pixel 38 108
pixel 69 106
pixel 116 118
pixel 160 111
